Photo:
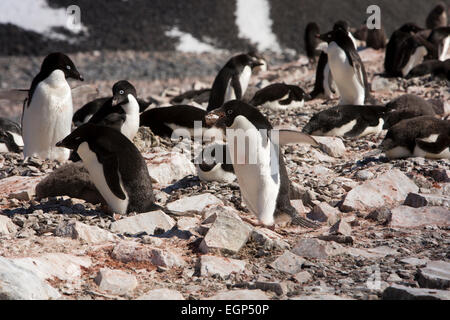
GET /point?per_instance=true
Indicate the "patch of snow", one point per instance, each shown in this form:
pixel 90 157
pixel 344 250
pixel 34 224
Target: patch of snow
pixel 254 23
pixel 187 43
pixel 37 16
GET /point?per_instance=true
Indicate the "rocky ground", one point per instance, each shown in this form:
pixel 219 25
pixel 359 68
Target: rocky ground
pixel 385 225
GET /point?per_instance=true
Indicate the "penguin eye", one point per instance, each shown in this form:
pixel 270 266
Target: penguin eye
pixel 121 91
pixel 68 67
pixel 230 111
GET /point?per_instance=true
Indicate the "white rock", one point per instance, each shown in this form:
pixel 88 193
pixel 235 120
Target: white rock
pixel 17 283
pixel 212 265
pixel 187 223
pixel 302 277
pixel 288 262
pixel 63 266
pixel 144 222
pixel 268 239
pixel 315 248
pixel 333 146
pixel 7 226
pixel 19 187
pixel 162 294
pixel 195 204
pixel 383 84
pixel 84 232
pixel 116 282
pixel 226 233
pixel 323 212
pixel 211 213
pixel 168 167
pixel 408 217
pixel 242 294
pixel 388 189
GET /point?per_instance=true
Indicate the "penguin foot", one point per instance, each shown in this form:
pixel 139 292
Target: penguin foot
pixel 257 224
pixel 305 223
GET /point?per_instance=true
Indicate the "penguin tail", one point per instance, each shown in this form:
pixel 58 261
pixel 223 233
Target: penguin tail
pixel 305 223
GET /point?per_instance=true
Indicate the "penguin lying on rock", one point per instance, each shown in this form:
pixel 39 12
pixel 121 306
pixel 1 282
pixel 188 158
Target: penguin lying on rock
pixel 261 172
pixel 115 166
pixel 10 136
pixel 425 136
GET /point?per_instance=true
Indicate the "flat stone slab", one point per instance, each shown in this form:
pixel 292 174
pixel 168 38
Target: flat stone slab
pixel 145 222
pixel 436 275
pixel 388 189
pixel 226 233
pixel 288 262
pixel 115 282
pixel 399 292
pixel 166 168
pixel 212 265
pixel 408 217
pixel 242 294
pixel 195 204
pixel 161 294
pixel 333 146
pixel 315 248
pixel 84 232
pixel 18 283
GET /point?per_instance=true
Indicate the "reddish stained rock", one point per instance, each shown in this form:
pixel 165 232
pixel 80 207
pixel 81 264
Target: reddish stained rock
pixel 388 189
pixel 19 187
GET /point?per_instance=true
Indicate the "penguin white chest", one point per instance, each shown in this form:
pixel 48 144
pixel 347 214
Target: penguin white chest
pixel 259 178
pixel 131 125
pixel 345 76
pixel 244 79
pixel 419 152
pixel 97 175
pixel 48 118
pixel 414 60
pixel 444 49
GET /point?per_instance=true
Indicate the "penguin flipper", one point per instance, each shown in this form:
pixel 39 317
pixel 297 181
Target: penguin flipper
pixel 111 171
pixel 113 120
pixel 291 136
pixel 236 84
pixel 436 147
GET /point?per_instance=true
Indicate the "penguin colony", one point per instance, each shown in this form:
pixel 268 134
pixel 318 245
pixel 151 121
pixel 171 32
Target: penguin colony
pixel 105 127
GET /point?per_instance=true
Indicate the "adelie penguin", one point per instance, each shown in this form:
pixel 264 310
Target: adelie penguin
pixel 115 166
pixel 425 137
pixel 232 80
pixel 347 121
pixel 10 136
pixel 264 182
pixel 280 96
pixel 311 42
pixel 120 112
pixel 85 113
pixel 47 112
pixel 324 86
pixel 347 68
pixel 438 69
pixel 437 17
pixel 181 119
pixel 212 165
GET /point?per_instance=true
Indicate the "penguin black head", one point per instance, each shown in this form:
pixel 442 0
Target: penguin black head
pixel 79 135
pixel 121 90
pixel 411 27
pixel 339 35
pixel 226 115
pixel 341 24
pixel 260 61
pixel 248 60
pixel 59 61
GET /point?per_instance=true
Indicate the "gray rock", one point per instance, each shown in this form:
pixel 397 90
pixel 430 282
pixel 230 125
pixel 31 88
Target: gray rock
pixel 323 212
pixel 18 283
pixel 315 248
pixel 399 292
pixel 161 294
pixel 277 287
pixel 226 233
pixel 383 84
pixel 302 277
pixel 380 215
pixel 388 189
pixel 288 262
pixel 364 175
pixel 168 167
pixel 341 228
pixel 187 223
pixel 195 204
pixel 407 217
pixel 84 232
pixel 116 282
pixel 416 262
pixel 7 226
pixel 242 294
pixel 333 146
pixel 436 275
pixel 268 239
pixel 324 296
pixel 211 213
pixel 145 222
pixel 212 265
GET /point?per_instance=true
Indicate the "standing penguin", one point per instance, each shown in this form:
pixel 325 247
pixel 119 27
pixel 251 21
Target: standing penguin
pixel 264 184
pixel 121 111
pixel 347 68
pixel 280 96
pixel 324 86
pixel 232 81
pixel 115 166
pixel 311 42
pixel 47 112
pixel 437 17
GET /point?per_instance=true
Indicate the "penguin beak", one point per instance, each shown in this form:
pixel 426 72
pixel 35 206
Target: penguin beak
pixel 213 117
pixel 60 144
pixel 80 77
pixel 307 97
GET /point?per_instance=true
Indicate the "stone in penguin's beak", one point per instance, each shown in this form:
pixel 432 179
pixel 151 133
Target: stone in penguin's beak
pixel 213 117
